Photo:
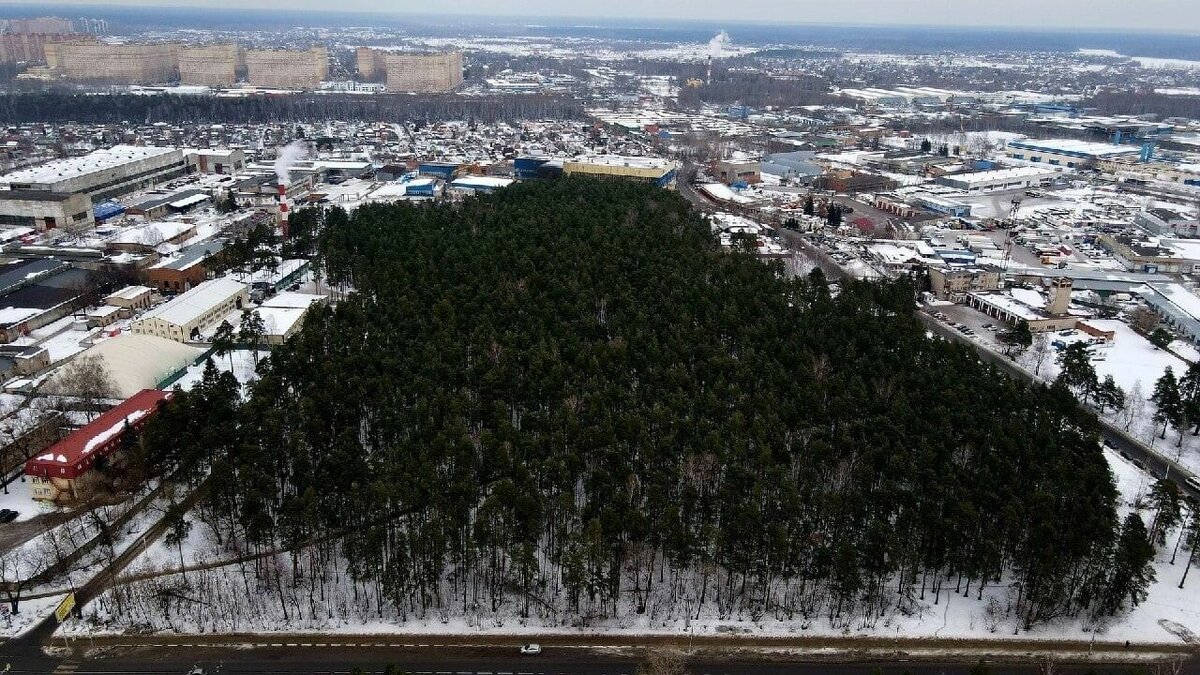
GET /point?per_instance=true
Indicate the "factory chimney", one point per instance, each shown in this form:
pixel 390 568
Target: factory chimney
pixel 708 75
pixel 283 211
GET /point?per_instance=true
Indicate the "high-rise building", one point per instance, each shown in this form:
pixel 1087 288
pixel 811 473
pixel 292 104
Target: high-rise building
pixel 212 66
pixel 24 40
pixel 425 73
pixel 23 47
pixel 117 64
pixel 369 63
pixel 287 69
pixel 45 25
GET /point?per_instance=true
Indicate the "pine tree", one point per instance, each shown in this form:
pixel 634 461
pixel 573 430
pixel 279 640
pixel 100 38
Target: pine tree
pixel 1166 501
pixel 1110 395
pixel 1161 338
pixel 1077 371
pixel 1132 571
pixel 1189 393
pixel 1168 402
pixel 224 341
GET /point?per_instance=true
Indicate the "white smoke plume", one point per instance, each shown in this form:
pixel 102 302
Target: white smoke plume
pixel 287 157
pixel 717 45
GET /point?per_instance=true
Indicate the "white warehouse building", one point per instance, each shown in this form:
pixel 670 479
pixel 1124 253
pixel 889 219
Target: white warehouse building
pixel 103 173
pixel 999 179
pixel 193 313
pixel 1068 153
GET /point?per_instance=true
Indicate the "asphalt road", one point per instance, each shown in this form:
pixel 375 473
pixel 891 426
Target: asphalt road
pixel 328 662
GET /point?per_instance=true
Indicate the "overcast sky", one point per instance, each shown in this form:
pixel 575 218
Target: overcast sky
pixel 1169 15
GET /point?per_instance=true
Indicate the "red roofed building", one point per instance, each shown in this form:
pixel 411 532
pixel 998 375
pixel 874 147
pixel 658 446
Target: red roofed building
pixel 57 474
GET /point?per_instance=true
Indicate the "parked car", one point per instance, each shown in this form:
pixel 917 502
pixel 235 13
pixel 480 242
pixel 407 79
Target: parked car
pixel 531 649
pixel 1126 456
pixel 1193 482
pixel 1139 464
pixel 8 515
pixel 197 670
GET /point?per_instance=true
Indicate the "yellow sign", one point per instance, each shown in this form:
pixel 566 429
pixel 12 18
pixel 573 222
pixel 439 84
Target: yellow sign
pixel 64 608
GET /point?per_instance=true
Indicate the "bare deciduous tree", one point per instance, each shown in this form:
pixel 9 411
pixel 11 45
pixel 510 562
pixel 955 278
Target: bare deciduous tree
pixel 88 379
pixel 1143 319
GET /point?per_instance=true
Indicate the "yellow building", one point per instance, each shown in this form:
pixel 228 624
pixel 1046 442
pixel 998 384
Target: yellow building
pixel 117 64
pixel 424 73
pixel 287 69
pixel 652 169
pixel 369 63
pixel 212 66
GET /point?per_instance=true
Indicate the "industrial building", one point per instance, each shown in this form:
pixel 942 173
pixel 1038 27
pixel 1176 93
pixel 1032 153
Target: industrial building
pixel 287 69
pixel 133 363
pixel 941 205
pixel 955 283
pixel 101 174
pixel 189 315
pixel 35 292
pixel 114 64
pixel 226 161
pixel 149 237
pixel 800 165
pixel 1001 179
pixel 1178 307
pixel 46 210
pixel 61 473
pixel 186 268
pixel 479 184
pixel 131 298
pixel 423 73
pixel 283 315
pixel 659 171
pixel 1069 153
pixel 211 66
pixel 1165 222
pixel 732 172
pixel 1040 319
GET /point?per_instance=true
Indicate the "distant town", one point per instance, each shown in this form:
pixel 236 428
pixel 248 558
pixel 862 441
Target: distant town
pixel 166 197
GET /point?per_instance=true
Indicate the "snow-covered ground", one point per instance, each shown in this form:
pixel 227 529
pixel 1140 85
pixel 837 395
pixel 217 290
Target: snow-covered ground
pixel 18 498
pixel 241 363
pixel 1135 365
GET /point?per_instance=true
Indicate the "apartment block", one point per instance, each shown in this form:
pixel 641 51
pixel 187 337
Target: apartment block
pixel 287 69
pixel 369 63
pixel 117 64
pixel 424 73
pixel 211 66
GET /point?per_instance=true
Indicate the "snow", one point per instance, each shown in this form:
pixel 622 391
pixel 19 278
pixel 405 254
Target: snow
pixel 111 432
pixel 20 499
pixel 1131 360
pixel 30 613
pixel 243 367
